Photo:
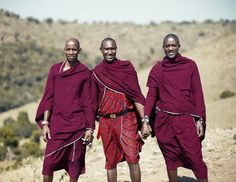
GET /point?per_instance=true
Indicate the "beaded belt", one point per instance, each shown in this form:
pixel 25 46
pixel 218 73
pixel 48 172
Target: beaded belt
pixel 116 115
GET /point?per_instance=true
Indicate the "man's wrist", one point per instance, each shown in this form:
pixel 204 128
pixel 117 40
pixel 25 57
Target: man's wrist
pixel 201 121
pixel 90 130
pixel 145 119
pixel 44 122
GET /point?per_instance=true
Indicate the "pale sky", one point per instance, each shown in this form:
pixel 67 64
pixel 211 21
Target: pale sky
pixel 137 11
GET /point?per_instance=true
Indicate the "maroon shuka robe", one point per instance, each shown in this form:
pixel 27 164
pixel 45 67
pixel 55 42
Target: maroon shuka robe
pixel 67 96
pixel 120 138
pixel 114 88
pixel 175 89
pixel 179 87
pixel 120 76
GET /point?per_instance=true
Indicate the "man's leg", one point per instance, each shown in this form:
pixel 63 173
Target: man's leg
pixel 191 145
pixel 112 175
pixel 135 173
pixel 73 180
pixel 172 175
pixel 47 178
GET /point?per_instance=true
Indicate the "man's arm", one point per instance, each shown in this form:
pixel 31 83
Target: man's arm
pixel 45 126
pixel 198 98
pixel 146 128
pixel 89 112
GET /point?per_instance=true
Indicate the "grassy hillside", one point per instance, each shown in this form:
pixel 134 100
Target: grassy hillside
pixel 29 46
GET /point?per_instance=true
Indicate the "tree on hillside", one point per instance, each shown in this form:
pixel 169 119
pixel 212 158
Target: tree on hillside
pixel 49 21
pixel 23 127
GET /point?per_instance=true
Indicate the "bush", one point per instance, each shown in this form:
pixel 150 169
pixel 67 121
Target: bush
pixel 226 94
pixel 8 121
pixel 8 137
pixel 6 131
pixel 152 50
pixel 23 127
pixel 23 118
pixel 49 21
pixel 36 136
pixel 31 149
pixel 34 20
pixel 3 153
pixel 24 130
pixel 11 142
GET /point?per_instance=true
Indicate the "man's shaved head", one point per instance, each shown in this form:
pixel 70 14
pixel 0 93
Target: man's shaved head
pixel 107 39
pixel 73 40
pixel 175 37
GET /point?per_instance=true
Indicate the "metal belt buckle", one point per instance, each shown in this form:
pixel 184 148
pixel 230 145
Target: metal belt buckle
pixel 112 116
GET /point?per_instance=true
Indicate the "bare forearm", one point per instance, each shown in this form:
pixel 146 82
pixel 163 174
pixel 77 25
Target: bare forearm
pixel 46 115
pixel 140 109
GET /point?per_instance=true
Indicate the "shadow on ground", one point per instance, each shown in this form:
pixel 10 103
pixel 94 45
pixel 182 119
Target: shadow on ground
pixel 186 179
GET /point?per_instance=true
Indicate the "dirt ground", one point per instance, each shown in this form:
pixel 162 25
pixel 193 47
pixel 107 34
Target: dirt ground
pixel 219 150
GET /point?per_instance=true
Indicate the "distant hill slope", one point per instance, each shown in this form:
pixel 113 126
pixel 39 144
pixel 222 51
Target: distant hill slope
pixel 217 66
pixel 28 47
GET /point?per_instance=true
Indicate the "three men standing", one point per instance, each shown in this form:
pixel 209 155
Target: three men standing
pixel 66 112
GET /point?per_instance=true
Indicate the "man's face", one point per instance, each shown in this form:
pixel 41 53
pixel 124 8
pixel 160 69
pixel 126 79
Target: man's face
pixel 71 50
pixel 108 50
pixel 171 48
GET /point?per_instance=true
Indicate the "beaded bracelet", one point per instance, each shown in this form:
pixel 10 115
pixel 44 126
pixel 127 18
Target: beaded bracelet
pixel 45 123
pixel 145 119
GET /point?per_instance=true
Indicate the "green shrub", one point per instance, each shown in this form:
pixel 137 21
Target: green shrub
pixel 23 127
pixel 16 151
pixel 11 142
pixel 23 118
pixel 7 136
pixel 49 20
pixel 36 136
pixel 3 152
pixel 24 130
pixel 6 131
pixel 31 149
pixel 34 20
pixel 226 94
pixel 8 121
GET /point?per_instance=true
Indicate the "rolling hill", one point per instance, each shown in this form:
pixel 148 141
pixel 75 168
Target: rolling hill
pixel 211 44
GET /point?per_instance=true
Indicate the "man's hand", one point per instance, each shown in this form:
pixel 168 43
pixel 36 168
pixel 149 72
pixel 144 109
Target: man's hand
pixel 145 130
pixel 200 129
pixel 88 137
pixel 46 133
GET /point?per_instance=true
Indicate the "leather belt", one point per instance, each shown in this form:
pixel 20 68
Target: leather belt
pixel 116 115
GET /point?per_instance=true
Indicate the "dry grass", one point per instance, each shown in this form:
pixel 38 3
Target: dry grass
pixel 219 150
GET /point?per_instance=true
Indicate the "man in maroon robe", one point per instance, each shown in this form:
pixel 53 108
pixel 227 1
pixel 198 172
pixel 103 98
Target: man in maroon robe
pixel 176 93
pixel 117 96
pixel 65 115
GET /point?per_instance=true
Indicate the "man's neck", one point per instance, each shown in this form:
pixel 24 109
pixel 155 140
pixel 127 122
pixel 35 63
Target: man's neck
pixel 71 63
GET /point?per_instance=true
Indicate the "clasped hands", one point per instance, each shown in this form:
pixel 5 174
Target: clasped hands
pixel 145 130
pixel 88 137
